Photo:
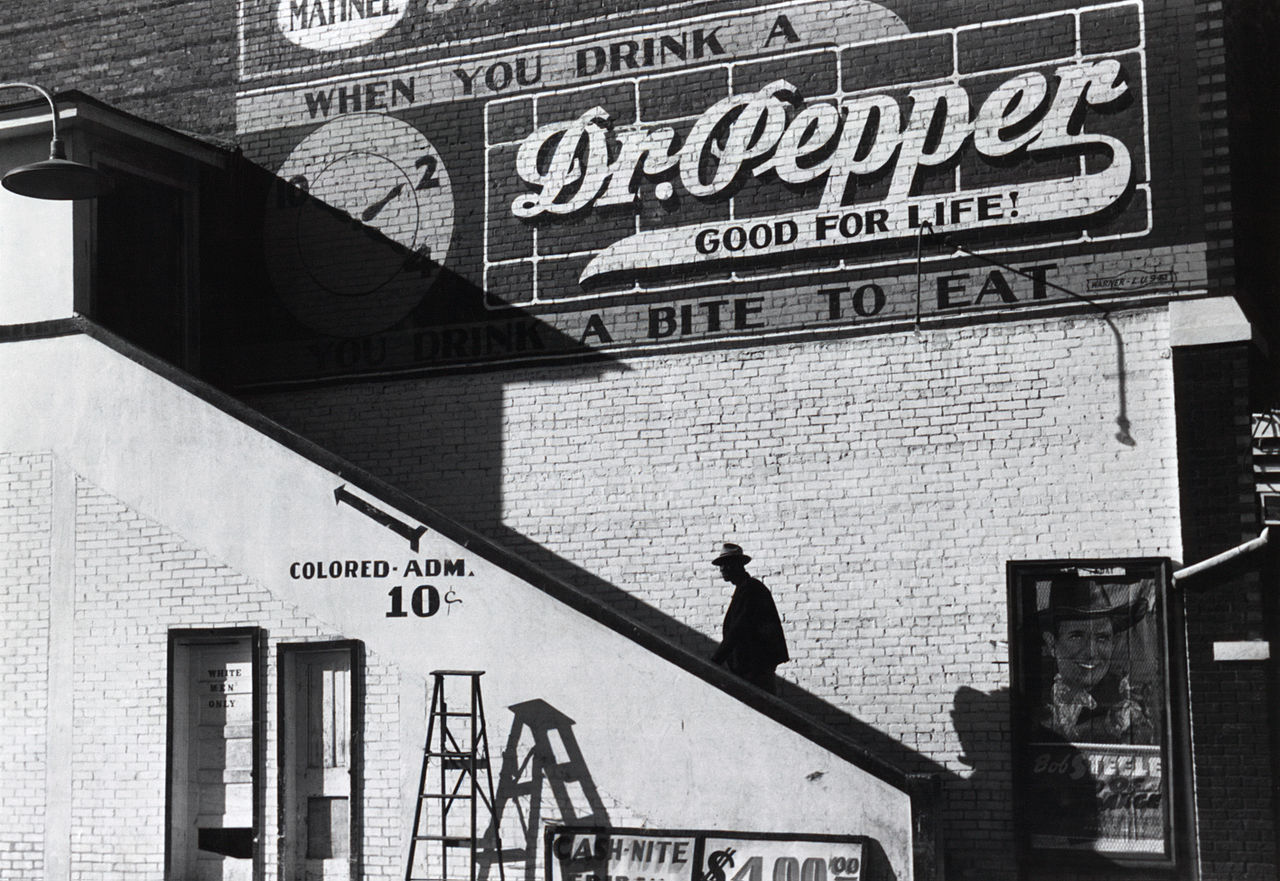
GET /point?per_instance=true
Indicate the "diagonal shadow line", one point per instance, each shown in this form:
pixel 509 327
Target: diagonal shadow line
pixel 803 712
pixel 875 742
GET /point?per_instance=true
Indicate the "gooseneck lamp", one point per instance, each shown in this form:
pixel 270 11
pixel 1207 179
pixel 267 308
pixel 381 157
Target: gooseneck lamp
pixel 56 177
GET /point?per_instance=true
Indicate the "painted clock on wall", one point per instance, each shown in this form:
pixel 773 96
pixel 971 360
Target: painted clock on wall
pixel 362 224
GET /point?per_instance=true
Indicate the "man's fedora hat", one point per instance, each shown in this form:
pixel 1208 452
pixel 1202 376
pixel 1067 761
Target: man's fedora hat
pixel 731 553
pixel 1072 598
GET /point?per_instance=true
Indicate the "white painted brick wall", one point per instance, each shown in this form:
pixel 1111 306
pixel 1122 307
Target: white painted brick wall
pixel 25 532
pixel 881 479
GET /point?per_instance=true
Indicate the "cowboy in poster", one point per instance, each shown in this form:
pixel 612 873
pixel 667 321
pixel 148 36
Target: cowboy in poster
pixel 1093 697
pixel 1096 733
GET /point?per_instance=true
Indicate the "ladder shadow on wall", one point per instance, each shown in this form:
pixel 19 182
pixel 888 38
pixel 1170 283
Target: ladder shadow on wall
pixel 542 757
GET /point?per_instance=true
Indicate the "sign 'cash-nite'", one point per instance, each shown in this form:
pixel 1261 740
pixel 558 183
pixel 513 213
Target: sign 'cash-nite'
pixel 572 167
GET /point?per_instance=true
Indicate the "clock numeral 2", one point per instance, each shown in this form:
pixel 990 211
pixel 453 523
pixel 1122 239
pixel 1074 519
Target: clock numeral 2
pixel 428 162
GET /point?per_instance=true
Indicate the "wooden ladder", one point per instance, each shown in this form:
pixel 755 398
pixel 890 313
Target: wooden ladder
pixel 460 753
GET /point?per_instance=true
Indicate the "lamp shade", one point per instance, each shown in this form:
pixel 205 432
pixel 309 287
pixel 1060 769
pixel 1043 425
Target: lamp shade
pixel 57 179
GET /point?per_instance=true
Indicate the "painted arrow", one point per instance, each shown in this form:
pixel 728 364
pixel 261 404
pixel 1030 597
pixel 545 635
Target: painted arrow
pixel 412 533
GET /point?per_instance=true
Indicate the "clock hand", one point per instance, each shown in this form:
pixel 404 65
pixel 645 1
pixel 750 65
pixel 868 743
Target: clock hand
pixel 373 210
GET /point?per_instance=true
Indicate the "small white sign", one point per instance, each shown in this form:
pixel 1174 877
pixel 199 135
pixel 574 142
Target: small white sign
pixel 330 25
pixel 1244 650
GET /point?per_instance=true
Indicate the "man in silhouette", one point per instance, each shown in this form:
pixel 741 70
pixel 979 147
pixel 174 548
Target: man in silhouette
pixel 753 644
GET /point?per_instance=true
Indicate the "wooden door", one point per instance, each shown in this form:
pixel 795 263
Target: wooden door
pixel 212 751
pixel 318 779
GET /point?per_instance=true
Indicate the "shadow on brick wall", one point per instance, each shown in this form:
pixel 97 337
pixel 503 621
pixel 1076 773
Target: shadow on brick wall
pixel 533 769
pixel 866 736
pixel 299 292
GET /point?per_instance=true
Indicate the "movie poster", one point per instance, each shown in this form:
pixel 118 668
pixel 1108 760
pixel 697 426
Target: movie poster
pixel 1092 711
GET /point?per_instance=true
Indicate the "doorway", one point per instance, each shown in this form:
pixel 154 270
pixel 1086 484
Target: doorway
pixel 213 763
pixel 319 738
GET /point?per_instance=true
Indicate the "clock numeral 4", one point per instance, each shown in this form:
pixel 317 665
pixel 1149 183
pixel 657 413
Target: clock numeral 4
pixel 421 261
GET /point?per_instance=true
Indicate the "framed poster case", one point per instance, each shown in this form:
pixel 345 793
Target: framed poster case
pixel 1099 728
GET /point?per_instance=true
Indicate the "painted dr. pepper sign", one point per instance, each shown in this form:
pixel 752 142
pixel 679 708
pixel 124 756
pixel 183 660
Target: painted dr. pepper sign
pixel 807 167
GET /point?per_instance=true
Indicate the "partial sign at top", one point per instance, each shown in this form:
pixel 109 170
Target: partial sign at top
pixel 688 176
